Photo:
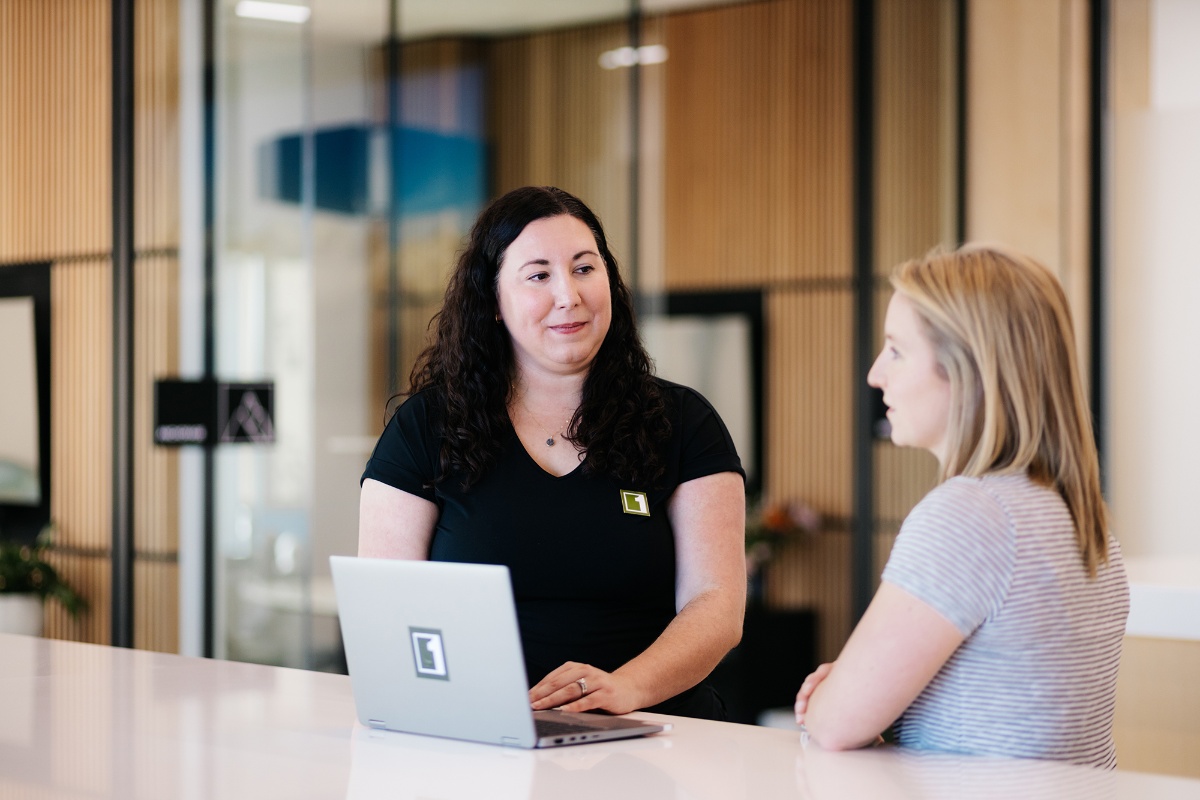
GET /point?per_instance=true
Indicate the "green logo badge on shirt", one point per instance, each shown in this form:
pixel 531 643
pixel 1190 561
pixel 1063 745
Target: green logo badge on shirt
pixel 635 503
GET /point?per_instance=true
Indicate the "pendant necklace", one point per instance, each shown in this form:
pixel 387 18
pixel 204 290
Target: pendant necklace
pixel 550 440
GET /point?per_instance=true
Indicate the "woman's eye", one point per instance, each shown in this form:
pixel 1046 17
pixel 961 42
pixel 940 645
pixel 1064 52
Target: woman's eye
pixel 539 276
pixel 585 268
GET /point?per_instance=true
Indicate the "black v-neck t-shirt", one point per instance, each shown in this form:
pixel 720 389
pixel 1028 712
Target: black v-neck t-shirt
pixel 592 557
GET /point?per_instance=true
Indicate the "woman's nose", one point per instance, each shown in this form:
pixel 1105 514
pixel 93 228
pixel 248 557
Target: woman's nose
pixel 875 375
pixel 566 294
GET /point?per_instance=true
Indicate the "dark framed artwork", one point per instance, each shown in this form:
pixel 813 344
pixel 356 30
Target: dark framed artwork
pixel 713 342
pixel 25 408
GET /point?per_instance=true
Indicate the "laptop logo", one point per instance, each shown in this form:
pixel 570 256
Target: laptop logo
pixel 635 503
pixel 429 655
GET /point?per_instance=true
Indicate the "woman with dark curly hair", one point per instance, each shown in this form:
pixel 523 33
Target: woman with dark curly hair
pixel 537 436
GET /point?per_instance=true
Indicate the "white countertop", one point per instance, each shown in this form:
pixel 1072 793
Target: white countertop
pixel 86 721
pixel 1164 597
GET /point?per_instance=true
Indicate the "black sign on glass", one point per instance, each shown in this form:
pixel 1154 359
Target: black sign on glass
pixel 207 412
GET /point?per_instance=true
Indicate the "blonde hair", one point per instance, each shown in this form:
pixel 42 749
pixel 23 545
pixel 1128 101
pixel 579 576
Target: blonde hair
pixel 1002 332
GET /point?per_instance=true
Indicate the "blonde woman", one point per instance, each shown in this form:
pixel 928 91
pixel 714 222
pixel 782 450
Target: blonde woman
pixel 997 627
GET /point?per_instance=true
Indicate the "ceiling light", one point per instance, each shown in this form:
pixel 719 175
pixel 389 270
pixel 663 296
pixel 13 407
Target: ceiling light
pixel 276 12
pixel 628 56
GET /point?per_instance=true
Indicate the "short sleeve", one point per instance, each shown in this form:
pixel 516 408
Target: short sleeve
pixel 406 455
pixel 707 447
pixel 956 552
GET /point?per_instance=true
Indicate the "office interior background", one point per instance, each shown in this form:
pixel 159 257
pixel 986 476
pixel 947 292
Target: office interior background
pixel 281 201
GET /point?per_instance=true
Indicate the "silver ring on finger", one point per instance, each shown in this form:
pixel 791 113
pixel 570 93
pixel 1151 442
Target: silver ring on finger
pixel 582 684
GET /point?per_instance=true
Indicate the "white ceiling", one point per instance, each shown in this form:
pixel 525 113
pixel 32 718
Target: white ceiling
pixel 367 20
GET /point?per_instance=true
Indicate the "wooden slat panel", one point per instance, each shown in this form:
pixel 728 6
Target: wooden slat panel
pixel 156 474
pixel 92 576
pixel 558 118
pixel 54 129
pixel 758 144
pixel 808 449
pixel 809 400
pixel 81 430
pixel 914 192
pixel 156 322
pixel 1027 182
pixel 156 606
pixel 903 475
pixel 156 123
pixel 81 402
pixel 55 203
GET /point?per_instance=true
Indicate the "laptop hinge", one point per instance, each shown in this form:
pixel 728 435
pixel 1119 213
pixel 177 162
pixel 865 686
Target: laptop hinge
pixel 376 723
pixel 510 741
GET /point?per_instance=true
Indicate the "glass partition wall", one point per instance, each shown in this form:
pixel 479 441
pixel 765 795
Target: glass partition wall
pixel 356 145
pixel 265 276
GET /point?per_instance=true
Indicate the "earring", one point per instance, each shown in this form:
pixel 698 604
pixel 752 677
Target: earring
pixel 497 318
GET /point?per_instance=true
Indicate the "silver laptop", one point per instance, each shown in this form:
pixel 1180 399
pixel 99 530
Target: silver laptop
pixel 433 648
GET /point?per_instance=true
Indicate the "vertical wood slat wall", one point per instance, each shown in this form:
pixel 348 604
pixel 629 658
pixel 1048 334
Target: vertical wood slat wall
pixel 1027 179
pixel 758 193
pixel 56 205
pixel 156 321
pixel 758 137
pixel 758 176
pixel 556 117
pixel 54 130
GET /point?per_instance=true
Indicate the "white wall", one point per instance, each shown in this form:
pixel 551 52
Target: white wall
pixel 1153 328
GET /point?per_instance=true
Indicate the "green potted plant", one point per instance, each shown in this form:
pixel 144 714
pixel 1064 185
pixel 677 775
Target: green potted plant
pixel 26 581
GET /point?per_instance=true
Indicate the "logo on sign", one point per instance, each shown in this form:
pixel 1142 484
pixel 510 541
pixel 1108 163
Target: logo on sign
pixel 429 655
pixel 250 419
pixel 635 503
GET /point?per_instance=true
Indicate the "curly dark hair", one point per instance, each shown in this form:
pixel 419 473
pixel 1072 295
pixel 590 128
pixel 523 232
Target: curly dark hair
pixel 621 422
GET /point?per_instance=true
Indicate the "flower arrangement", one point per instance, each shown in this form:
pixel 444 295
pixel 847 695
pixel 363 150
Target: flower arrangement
pixel 768 526
pixel 24 569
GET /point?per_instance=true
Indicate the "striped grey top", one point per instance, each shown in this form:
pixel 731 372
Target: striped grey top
pixel 1036 677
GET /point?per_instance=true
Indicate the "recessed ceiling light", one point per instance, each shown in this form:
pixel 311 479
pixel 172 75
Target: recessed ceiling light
pixel 628 56
pixel 276 12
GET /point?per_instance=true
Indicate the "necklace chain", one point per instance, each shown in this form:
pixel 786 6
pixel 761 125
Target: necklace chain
pixel 550 438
